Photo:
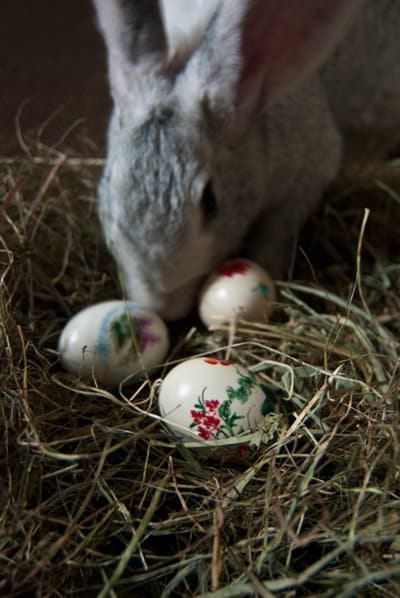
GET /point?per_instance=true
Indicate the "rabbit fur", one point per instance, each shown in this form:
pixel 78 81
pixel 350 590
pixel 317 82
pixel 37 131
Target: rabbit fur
pixel 229 122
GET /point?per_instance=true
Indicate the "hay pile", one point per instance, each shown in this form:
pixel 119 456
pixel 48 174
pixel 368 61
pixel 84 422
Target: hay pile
pixel 98 499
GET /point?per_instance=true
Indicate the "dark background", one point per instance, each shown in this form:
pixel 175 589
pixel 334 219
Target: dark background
pixel 52 60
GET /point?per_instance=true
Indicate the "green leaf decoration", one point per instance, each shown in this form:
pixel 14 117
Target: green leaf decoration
pixel 233 418
pixel 263 289
pixel 224 410
pixel 228 418
pixel 200 402
pixel 122 330
pixel 246 384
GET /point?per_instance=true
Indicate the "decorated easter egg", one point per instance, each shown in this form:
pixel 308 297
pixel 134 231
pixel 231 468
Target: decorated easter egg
pixel 238 287
pixel 211 399
pixel 112 340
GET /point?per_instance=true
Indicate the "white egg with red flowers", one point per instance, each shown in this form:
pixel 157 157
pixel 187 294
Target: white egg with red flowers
pixel 112 340
pixel 238 287
pixel 211 399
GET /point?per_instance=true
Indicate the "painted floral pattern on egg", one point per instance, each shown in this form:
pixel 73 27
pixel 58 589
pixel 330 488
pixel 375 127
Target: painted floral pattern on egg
pixel 214 361
pixel 113 341
pixel 263 289
pixel 232 267
pixel 213 418
pixel 125 335
pixel 205 418
pixel 239 266
pixel 238 288
pixel 212 399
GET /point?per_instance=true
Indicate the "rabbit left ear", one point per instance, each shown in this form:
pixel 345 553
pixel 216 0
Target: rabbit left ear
pixel 132 29
pixel 135 39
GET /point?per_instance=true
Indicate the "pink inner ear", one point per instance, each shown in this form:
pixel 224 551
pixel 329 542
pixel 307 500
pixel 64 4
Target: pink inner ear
pixel 281 37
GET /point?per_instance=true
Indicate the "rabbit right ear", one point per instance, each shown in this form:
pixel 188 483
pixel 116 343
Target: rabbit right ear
pixel 135 39
pixel 265 47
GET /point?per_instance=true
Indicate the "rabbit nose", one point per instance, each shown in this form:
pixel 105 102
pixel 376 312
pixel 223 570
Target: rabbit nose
pixel 176 304
pixel 169 304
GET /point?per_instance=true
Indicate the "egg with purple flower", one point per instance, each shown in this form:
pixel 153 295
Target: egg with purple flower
pixel 111 341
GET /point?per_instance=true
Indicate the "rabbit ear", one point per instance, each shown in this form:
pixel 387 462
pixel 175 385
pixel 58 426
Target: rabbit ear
pixel 185 23
pixel 131 28
pixel 269 45
pixel 134 36
pixel 284 40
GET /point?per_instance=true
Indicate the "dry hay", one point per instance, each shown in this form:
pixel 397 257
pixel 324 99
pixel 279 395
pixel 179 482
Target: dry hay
pixel 97 498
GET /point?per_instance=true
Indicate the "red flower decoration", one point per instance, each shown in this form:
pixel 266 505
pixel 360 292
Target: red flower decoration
pixel 204 432
pixel 211 404
pixel 197 416
pixel 206 421
pixel 214 361
pixel 233 267
pixel 211 421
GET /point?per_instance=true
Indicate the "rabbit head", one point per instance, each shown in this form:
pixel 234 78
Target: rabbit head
pixel 189 160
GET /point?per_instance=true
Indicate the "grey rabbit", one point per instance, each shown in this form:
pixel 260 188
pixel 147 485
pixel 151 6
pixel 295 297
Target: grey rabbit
pixel 229 121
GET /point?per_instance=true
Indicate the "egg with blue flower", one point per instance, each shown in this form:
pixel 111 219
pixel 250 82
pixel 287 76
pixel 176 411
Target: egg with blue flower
pixel 112 341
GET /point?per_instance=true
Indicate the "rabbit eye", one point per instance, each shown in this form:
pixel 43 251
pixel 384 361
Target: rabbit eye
pixel 209 204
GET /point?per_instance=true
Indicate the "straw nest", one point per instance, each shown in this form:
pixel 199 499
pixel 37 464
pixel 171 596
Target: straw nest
pixel 98 498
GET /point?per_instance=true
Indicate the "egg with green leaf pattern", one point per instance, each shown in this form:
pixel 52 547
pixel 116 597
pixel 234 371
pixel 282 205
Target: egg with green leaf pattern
pixel 212 399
